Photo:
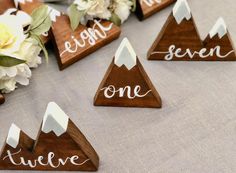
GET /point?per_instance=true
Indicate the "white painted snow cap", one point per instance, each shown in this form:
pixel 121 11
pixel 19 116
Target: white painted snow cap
pixel 125 55
pixel 181 11
pixel 53 13
pixel 219 28
pixel 21 1
pixel 55 120
pixel 13 136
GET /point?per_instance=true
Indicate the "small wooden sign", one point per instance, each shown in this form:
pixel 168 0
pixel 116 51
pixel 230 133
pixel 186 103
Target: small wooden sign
pixel 5 4
pixel 2 99
pixel 179 39
pixel 60 146
pixel 72 46
pixel 146 8
pixel 126 83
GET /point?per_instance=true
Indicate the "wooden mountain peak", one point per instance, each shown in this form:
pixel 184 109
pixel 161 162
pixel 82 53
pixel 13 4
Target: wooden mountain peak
pixel 60 146
pixel 179 39
pixel 146 8
pixel 126 83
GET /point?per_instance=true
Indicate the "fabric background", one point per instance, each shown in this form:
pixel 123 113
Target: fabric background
pixel 194 132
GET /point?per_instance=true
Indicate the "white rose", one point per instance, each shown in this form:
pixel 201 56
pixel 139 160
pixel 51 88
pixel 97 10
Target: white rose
pixel 11 31
pixel 10 76
pixel 122 9
pixel 94 8
pixel 29 51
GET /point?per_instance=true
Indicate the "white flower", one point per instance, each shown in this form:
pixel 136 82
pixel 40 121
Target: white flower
pixel 11 31
pixel 122 9
pixel 13 42
pixel 94 8
pixel 29 51
pixel 10 76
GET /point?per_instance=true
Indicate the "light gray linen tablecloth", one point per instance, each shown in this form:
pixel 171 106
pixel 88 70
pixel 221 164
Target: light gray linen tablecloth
pixel 194 132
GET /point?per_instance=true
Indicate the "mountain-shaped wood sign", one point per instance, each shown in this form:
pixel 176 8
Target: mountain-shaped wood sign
pixel 126 83
pixel 179 39
pixel 60 146
pixel 146 8
pixel 5 4
pixel 71 46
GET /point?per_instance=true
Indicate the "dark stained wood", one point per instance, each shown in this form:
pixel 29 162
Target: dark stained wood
pixel 71 143
pixel 145 10
pixel 5 4
pixel 2 99
pixel 29 7
pixel 121 77
pixel 226 45
pixel 185 36
pixel 60 35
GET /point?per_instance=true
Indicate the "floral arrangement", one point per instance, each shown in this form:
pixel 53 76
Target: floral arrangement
pixel 117 11
pixel 20 45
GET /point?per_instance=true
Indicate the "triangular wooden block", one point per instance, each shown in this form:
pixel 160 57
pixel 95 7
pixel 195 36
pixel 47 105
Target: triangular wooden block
pixel 2 99
pixel 5 4
pixel 29 6
pixel 60 146
pixel 146 8
pixel 126 83
pixel 179 39
pixel 72 46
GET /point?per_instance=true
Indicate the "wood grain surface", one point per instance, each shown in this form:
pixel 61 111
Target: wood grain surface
pixel 5 4
pixel 185 36
pixel 120 77
pixel 145 10
pixel 64 34
pixel 71 143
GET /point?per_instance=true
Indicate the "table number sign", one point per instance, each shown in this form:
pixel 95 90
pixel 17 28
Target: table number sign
pixel 60 146
pixel 146 8
pixel 126 83
pixel 72 46
pixel 5 4
pixel 179 39
pixel 2 99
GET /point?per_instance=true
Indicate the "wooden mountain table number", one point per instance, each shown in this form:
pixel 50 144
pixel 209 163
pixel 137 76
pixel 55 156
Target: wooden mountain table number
pixel 71 46
pixel 179 39
pixel 126 83
pixel 60 146
pixel 146 8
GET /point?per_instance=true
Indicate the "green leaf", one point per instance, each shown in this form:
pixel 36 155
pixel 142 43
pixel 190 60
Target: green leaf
pixel 38 15
pixel 75 16
pixel 44 27
pixel 115 19
pixel 41 20
pixel 41 45
pixel 134 5
pixel 7 61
